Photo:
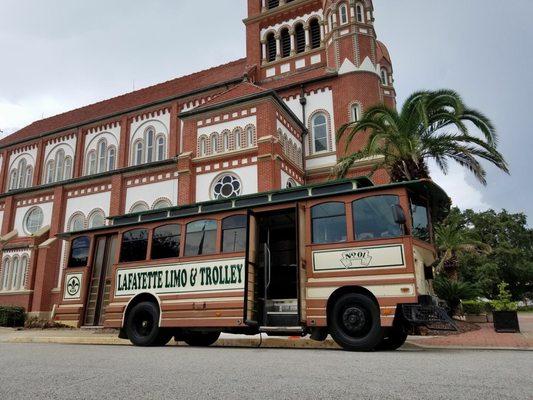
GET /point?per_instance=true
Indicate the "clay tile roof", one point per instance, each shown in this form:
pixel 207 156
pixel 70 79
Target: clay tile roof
pixel 160 92
pixel 383 52
pixel 241 90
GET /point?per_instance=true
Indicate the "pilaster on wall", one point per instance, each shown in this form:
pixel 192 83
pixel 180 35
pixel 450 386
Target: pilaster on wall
pixel 79 159
pixel 124 146
pixel 9 214
pixel 186 179
pixel 37 171
pixel 5 172
pixel 268 164
pixel 118 195
pixel 174 131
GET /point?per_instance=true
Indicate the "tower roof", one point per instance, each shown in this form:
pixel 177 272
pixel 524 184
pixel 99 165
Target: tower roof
pixel 383 52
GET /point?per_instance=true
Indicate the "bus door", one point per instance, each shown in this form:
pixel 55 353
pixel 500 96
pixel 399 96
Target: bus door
pixel 276 278
pixel 100 282
pixel 252 255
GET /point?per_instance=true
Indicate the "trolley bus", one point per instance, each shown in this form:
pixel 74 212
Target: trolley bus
pixel 344 258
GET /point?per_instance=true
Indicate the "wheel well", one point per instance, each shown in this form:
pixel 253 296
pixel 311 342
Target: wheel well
pixel 349 289
pixel 139 299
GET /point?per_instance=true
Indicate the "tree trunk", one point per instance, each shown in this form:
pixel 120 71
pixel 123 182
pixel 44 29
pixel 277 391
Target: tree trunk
pixel 416 171
pixel 451 269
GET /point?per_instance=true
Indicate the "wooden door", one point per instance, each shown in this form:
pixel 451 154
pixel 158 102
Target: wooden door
pixel 100 283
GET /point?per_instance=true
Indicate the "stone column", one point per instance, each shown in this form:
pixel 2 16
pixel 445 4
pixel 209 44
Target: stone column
pixel 278 46
pixel 307 38
pixel 293 42
pixel 264 47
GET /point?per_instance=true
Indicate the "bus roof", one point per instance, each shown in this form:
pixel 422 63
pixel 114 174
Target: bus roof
pixel 439 201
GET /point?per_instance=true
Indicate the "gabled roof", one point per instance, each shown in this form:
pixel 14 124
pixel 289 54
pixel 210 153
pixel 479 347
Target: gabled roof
pixel 243 92
pixel 144 97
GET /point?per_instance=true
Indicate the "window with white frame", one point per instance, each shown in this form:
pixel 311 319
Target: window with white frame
pixel 161 149
pixel 203 146
pixel 21 176
pixel 226 186
pixel 76 223
pixel 140 206
pixel 6 273
pixel 343 14
pixel 319 127
pixel 355 112
pixel 250 136
pixel 225 140
pixel 314 33
pixel 360 13
pixel 14 273
pixel 214 143
pixel 152 147
pixel 237 132
pixel 33 220
pixel 291 183
pixel 91 163
pixel 384 77
pixel 58 168
pixel 96 219
pixel 162 203
pixel 138 149
pixel 111 158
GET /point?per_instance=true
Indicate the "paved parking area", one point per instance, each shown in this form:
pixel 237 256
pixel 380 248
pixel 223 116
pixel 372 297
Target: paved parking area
pixel 53 371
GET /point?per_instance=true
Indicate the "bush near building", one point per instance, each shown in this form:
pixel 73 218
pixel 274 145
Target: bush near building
pixel 12 316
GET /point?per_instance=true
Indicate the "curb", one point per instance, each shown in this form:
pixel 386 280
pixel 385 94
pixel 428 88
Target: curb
pixel 267 343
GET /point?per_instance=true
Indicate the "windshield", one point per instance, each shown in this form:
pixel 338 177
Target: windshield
pixel 420 219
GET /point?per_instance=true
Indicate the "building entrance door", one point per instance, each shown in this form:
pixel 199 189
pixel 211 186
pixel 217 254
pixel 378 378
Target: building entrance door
pixel 100 283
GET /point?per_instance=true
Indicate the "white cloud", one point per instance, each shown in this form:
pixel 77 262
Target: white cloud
pixel 455 183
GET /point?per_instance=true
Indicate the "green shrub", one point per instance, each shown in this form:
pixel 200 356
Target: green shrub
pixel 473 307
pixel 12 316
pixel 452 292
pixel 503 302
pixel 525 308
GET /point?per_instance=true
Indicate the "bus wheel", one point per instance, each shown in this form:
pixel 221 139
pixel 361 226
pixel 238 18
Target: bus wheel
pixel 393 338
pixel 354 322
pixel 201 339
pixel 142 325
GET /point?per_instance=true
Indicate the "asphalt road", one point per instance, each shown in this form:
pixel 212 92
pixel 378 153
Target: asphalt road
pixel 50 371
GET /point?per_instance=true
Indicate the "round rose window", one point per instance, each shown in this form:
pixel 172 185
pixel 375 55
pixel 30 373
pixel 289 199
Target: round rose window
pixel 226 186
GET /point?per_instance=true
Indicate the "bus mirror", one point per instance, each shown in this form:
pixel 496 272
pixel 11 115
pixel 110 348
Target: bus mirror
pixel 399 215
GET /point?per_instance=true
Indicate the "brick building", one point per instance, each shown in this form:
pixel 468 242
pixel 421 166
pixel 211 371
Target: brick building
pixel 263 122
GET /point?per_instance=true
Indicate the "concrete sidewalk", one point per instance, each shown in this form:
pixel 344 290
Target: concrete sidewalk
pixel 484 338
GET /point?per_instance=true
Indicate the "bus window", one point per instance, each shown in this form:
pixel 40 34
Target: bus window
pixel 419 212
pixel 374 218
pixel 329 223
pixel 234 234
pixel 134 245
pixel 201 238
pixel 166 242
pixel 79 253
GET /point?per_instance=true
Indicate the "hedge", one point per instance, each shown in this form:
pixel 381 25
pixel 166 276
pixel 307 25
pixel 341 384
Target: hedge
pixel 12 316
pixel 473 307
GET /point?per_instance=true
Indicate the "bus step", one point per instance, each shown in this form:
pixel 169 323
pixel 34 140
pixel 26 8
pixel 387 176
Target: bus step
pixel 282 330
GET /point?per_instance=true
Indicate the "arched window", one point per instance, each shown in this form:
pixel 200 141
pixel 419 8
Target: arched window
pixel 238 137
pixel 111 158
pixel 22 173
pixel 320 133
pixel 225 140
pixel 343 14
pixel 226 186
pixel 161 153
pixel 23 269
pixel 76 223
pixel 360 13
pixel 15 272
pixel 250 136
pixel 60 164
pixel 138 151
pixel 13 180
pixel 271 47
pixel 18 278
pixel 355 112
pixel 29 176
pixel 140 206
pixel 33 221
pixel 68 167
pixel 285 43
pixel 299 35
pixel 6 268
pixel 291 183
pixel 203 146
pixel 214 143
pixel 162 203
pixel 314 29
pixel 384 77
pixel 50 171
pixel 149 140
pixel 96 219
pixel 102 153
pixel 91 163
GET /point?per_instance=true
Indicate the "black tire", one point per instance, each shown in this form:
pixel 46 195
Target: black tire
pixel 164 337
pixel 142 325
pixel 393 339
pixel 354 322
pixel 201 339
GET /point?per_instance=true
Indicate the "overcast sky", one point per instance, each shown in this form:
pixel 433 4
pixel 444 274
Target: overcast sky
pixel 57 55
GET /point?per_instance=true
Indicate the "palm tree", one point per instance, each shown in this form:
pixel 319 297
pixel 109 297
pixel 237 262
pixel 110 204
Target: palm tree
pixel 431 125
pixel 452 241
